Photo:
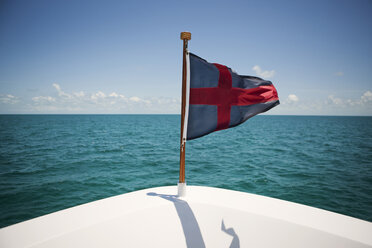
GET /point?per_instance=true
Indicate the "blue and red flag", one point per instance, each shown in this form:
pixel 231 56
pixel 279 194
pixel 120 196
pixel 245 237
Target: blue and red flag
pixel 219 98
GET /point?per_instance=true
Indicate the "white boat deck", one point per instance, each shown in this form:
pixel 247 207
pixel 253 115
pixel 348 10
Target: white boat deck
pixel 206 217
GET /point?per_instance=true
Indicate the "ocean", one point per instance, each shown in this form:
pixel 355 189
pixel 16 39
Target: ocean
pixel 52 162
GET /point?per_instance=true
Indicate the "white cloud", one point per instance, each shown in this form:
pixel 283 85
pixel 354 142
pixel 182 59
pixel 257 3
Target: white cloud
pixel 100 102
pixel 81 102
pixel 113 94
pixel 366 97
pixel 351 102
pixel 8 99
pixel 43 99
pixel 60 91
pixel 58 88
pixel 332 104
pixel 263 74
pixel 364 100
pixel 291 99
pixel 98 95
pixel 334 100
pixel 79 94
pixel 135 99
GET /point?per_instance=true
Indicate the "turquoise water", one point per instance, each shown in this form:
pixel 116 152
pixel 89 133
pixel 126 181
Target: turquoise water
pixel 52 162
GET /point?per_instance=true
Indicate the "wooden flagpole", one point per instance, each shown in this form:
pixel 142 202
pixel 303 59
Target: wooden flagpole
pixel 185 36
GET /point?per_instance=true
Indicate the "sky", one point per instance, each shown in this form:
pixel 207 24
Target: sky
pixel 125 57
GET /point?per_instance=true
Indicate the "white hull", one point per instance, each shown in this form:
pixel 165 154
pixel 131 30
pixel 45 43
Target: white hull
pixel 206 217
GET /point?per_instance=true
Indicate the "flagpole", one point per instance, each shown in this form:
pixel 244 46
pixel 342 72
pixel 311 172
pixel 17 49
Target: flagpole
pixel 185 36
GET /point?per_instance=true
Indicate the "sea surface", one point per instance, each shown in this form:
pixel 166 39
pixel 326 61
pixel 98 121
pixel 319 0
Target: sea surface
pixel 52 162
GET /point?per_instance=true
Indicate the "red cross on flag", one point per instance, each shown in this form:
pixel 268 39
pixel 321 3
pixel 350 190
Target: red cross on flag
pixel 219 98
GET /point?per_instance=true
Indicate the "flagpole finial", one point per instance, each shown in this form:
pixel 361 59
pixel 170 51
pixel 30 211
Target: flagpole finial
pixel 185 36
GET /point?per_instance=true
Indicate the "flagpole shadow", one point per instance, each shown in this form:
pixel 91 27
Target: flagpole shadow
pixel 235 243
pixel 189 223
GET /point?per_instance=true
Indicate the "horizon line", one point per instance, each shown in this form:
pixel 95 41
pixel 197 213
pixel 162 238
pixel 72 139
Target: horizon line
pixel 180 114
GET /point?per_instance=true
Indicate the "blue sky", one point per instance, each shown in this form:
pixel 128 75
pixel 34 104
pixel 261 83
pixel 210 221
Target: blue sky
pixel 125 56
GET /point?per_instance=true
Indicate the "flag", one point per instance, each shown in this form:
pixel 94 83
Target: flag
pixel 219 98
